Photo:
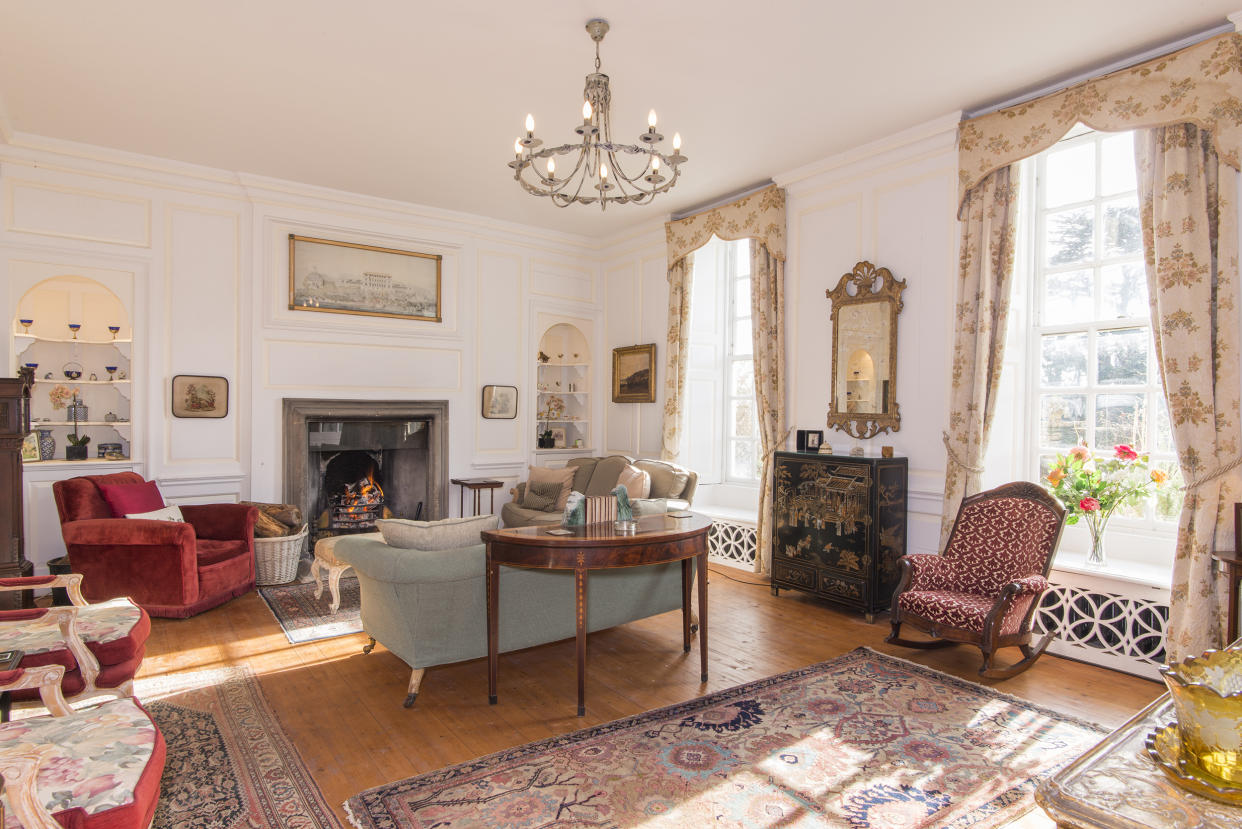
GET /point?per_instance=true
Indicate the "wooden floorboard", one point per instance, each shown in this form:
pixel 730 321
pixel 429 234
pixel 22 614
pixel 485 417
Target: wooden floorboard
pixel 343 709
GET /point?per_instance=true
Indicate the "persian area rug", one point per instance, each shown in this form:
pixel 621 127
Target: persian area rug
pixel 304 618
pixel 864 740
pixel 230 765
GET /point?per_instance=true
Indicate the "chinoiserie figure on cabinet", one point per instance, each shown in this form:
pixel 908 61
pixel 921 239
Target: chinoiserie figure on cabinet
pixel 840 527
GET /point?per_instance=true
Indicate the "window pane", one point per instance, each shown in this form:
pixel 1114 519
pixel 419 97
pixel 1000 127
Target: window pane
pixel 1063 360
pixel 1067 298
pixel 742 382
pixel 1124 291
pixel 743 461
pixel 741 298
pixel 743 419
pixel 1120 418
pixel 1071 175
pixel 1069 236
pixel 1170 494
pixel 1117 164
pixel 741 253
pixel 1121 357
pixel 1122 234
pixel 742 343
pixel 1062 419
pixel 1164 430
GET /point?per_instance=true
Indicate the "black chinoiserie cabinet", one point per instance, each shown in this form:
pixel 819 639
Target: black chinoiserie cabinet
pixel 840 527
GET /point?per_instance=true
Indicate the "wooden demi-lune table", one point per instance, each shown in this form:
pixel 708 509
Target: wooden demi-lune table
pixel 658 539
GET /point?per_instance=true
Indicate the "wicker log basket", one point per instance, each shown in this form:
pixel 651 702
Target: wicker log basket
pixel 276 559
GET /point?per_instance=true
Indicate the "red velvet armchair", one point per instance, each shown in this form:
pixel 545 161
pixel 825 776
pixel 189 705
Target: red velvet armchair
pixel 984 588
pixel 168 568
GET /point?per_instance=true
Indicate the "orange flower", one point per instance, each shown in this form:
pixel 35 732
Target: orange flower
pixel 1159 476
pixel 1082 453
pixel 1056 476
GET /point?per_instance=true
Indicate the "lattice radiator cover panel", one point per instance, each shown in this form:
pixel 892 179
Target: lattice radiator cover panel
pixel 732 543
pixel 1125 633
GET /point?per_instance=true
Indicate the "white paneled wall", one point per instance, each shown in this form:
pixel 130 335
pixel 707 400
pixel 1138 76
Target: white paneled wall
pixel 201 259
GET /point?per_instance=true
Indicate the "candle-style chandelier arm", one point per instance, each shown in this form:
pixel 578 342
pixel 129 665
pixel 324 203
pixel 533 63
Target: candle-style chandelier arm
pixel 597 165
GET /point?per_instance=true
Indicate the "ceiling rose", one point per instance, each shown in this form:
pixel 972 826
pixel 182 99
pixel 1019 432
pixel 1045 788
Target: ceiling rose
pixel 597 174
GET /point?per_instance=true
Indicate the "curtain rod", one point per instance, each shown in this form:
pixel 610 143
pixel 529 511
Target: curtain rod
pixel 717 202
pixel 1101 71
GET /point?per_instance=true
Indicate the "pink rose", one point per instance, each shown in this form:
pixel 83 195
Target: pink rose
pixel 1125 452
pixel 1088 504
pixel 1082 453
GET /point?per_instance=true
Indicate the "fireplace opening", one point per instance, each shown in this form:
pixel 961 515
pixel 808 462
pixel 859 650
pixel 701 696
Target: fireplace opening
pixel 350 463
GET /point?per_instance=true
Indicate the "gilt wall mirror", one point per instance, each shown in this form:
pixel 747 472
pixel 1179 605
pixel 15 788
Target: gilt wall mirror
pixel 865 305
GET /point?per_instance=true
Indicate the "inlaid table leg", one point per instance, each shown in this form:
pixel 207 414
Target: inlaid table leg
pixel 702 573
pixel 686 579
pixel 580 599
pixel 493 624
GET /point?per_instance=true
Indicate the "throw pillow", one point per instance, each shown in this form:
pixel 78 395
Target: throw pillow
pixel 637 483
pixel 541 495
pixel 564 477
pixel 124 499
pixel 172 513
pixel 435 535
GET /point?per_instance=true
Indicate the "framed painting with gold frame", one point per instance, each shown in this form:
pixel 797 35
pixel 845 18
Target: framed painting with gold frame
pixel 350 278
pixel 633 374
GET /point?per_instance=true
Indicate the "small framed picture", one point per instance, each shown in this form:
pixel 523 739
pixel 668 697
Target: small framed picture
pixel 30 447
pixel 196 395
pixel 500 402
pixel 558 437
pixel 809 440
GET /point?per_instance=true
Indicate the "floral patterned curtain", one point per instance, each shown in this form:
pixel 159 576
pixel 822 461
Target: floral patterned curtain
pixel 767 309
pixel 1201 85
pixel 985 272
pixel 1190 241
pixel 759 217
pixel 678 341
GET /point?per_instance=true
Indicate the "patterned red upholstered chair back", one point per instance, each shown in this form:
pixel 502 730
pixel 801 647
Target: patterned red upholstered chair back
pixel 1003 534
pixel 78 499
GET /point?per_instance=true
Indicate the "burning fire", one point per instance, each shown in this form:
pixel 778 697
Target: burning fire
pixel 359 500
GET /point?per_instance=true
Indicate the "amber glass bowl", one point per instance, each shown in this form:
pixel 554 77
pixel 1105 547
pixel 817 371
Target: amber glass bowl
pixel 1207 692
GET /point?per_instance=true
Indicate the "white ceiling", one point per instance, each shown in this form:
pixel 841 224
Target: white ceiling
pixel 420 101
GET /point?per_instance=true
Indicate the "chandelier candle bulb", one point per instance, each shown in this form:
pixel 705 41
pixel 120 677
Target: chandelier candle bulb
pixel 530 125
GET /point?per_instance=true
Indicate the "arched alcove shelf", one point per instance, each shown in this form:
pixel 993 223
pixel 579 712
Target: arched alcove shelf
pixel 563 389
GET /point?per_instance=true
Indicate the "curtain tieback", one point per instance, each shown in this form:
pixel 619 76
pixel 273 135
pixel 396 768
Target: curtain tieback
pixel 1198 482
pixel 767 456
pixel 948 447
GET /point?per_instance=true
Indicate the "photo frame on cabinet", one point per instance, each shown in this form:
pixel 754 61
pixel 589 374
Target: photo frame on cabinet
pixel 633 374
pixel 198 395
pixel 808 440
pixel 500 402
pixel 349 278
pixel 30 447
pixel 558 437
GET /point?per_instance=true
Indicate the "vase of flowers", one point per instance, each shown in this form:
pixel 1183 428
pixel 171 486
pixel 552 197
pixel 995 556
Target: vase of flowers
pixel 63 397
pixel 1093 488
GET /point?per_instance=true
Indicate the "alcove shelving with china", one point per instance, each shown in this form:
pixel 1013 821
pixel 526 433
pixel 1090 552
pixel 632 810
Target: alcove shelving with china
pixel 76 335
pixel 563 390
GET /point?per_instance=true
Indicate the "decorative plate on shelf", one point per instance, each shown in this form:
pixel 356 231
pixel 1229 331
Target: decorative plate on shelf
pixel 73 370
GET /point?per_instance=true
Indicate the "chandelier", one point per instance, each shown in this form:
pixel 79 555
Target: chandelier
pixel 597 175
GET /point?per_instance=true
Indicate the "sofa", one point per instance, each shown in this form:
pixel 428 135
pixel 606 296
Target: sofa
pixel 598 476
pixel 429 607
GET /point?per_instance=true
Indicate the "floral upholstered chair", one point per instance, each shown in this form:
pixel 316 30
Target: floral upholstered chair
pixel 98 768
pixel 984 588
pixel 100 646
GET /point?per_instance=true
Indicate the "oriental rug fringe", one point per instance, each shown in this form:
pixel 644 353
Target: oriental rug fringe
pixel 866 741
pixel 304 618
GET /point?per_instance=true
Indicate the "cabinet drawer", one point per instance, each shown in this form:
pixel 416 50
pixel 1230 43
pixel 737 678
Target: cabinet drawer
pixel 843 587
pixel 801 577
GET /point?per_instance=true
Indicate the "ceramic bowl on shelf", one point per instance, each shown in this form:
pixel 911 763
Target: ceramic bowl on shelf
pixel 115 329
pixel 75 327
pixel 26 325
pixel 73 370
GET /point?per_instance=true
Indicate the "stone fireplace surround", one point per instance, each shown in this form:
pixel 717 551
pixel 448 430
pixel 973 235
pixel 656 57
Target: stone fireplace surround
pixel 298 412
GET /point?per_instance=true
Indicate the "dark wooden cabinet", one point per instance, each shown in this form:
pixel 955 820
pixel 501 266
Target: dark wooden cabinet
pixel 840 527
pixel 14 426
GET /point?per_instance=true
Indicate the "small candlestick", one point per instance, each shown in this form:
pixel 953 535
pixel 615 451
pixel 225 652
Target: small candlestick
pixel 115 329
pixel 75 327
pixel 26 325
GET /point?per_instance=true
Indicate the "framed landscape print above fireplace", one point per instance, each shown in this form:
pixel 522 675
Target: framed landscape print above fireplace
pixel 350 278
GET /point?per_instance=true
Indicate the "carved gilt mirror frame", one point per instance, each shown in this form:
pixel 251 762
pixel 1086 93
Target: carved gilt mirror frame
pixel 865 305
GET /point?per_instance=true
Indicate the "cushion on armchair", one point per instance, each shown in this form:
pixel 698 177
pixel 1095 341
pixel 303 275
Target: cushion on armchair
pixel 435 535
pixel 564 477
pixel 542 495
pixel 124 499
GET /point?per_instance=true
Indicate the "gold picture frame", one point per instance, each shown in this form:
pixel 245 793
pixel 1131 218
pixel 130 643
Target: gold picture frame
pixel 633 374
pixel 350 278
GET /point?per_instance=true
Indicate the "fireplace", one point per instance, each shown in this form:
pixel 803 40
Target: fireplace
pixel 349 463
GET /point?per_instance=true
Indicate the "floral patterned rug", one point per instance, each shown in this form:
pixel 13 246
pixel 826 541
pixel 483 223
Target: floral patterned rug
pixel 304 618
pixel 230 765
pixel 864 740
